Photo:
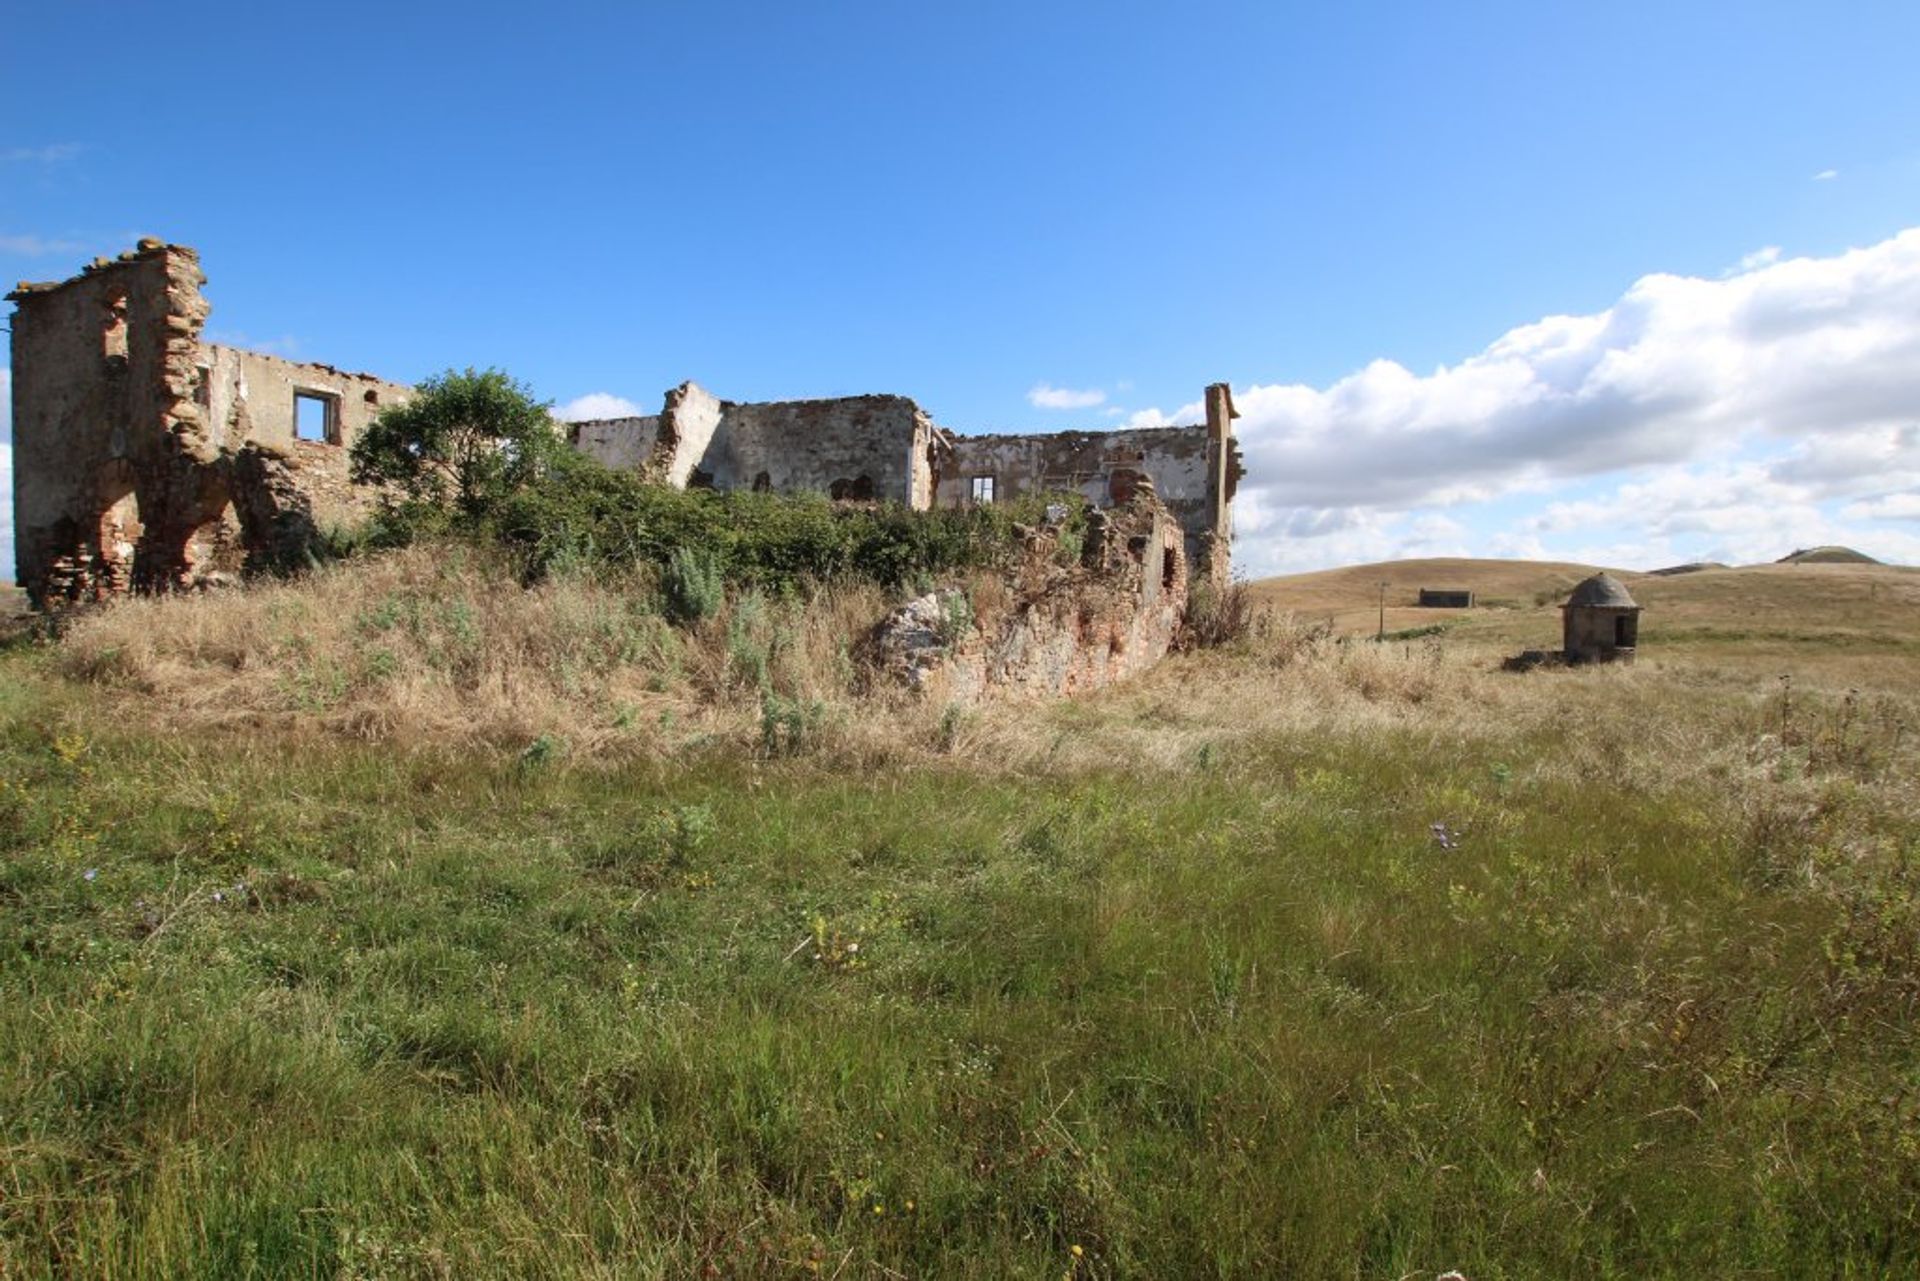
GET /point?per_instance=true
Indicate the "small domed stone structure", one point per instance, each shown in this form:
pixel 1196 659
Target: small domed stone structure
pixel 1601 622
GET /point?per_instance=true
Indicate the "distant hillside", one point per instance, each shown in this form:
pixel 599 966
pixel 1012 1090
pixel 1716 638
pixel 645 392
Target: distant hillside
pixel 1350 596
pixel 1517 601
pixel 1827 556
pixel 1691 567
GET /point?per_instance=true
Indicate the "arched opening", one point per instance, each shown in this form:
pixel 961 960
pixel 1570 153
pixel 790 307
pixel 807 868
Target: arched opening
pixel 118 534
pixel 216 547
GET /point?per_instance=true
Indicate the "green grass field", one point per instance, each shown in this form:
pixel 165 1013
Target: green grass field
pixel 1304 958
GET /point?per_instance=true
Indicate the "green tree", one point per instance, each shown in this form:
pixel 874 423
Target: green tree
pixel 468 439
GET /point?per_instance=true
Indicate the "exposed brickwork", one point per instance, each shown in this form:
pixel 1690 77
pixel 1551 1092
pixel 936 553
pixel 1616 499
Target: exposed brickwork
pixel 147 459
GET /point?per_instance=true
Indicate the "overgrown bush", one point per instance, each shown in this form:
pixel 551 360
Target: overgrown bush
pixel 1220 616
pixel 692 588
pixel 585 516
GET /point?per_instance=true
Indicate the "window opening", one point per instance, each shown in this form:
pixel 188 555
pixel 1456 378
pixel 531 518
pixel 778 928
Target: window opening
pixel 983 489
pixel 316 417
pixel 113 337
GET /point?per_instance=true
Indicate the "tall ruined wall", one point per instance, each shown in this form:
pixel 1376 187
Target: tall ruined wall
pixel 1054 629
pixel 856 447
pixel 104 408
pixel 147 458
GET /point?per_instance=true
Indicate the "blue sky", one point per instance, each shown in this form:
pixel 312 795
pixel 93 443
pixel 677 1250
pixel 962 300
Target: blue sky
pixel 1048 216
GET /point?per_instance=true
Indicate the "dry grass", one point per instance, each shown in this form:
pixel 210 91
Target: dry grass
pixel 441 645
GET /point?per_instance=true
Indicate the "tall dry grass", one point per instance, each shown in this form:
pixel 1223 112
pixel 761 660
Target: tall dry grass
pixel 441 644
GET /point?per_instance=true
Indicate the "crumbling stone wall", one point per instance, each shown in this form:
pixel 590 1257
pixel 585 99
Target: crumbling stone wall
pixel 852 447
pixel 140 451
pixel 886 447
pixel 624 444
pixel 1058 629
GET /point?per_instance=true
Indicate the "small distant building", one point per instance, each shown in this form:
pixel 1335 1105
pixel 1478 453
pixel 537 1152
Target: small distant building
pixel 1445 598
pixel 1601 622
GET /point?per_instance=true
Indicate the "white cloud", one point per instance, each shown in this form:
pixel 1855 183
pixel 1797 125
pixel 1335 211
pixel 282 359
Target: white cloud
pixel 6 475
pixel 1044 396
pixel 1826 175
pixel 1887 507
pixel 52 154
pixel 1142 418
pixel 32 246
pixel 6 511
pixel 1807 367
pixel 1762 257
pixel 597 404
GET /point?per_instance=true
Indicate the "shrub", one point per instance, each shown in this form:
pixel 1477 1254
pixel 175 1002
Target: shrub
pixel 1217 616
pixel 693 586
pixel 466 440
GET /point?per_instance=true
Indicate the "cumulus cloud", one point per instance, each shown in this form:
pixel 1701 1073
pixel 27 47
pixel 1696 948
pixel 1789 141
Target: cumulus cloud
pixel 1808 366
pixel 1140 418
pixel 1045 396
pixel 597 404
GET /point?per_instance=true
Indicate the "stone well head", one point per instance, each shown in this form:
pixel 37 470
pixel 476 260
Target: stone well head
pixel 1601 622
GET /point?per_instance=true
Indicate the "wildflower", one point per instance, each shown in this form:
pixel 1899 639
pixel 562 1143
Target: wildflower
pixel 89 874
pixel 1077 1251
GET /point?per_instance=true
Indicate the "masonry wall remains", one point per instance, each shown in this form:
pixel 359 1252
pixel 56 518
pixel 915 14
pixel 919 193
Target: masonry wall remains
pixel 147 458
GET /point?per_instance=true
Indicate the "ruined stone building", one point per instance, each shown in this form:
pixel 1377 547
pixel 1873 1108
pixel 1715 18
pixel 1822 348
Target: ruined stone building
pixel 146 457
pixel 886 447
